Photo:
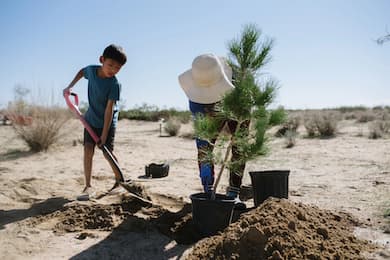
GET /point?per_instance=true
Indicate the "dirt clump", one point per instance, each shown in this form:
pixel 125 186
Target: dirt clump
pixel 77 217
pixel 282 229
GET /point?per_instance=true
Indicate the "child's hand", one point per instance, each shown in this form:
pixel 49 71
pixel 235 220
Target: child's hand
pixel 101 142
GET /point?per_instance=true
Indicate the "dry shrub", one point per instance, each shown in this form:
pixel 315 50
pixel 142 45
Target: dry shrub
pixel 350 116
pixel 376 130
pixel 374 133
pixel 323 124
pixel 383 115
pixel 365 116
pixel 290 136
pixel 291 124
pixel 172 126
pixel 384 126
pixel 42 128
pixel 310 126
pixel 326 124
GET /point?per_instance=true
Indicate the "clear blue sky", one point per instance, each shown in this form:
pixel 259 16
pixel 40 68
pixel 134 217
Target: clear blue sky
pixel 325 54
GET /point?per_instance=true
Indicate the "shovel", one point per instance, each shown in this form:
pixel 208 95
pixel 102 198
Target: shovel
pixel 114 164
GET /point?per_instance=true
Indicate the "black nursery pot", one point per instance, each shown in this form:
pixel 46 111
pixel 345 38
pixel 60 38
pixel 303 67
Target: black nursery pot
pixel 269 184
pixel 210 216
pixel 156 170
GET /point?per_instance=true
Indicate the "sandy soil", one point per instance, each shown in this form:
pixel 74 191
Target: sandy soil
pixel 40 219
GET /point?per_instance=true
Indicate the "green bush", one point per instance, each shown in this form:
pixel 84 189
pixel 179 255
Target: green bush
pixel 154 114
pixel 277 116
pixel 345 109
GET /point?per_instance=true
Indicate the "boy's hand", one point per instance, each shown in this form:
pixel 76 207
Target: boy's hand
pixel 102 142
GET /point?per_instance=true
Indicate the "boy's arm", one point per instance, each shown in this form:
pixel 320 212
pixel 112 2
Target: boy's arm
pixel 78 76
pixel 108 114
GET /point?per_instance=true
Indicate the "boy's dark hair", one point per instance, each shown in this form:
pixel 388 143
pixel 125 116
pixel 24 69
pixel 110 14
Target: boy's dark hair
pixel 116 53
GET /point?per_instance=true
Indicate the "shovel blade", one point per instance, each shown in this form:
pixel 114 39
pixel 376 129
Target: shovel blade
pixel 128 185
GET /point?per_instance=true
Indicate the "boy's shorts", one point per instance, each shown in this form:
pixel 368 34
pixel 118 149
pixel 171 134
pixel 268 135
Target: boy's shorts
pixel 98 131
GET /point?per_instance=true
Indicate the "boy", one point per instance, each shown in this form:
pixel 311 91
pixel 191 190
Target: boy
pixel 102 114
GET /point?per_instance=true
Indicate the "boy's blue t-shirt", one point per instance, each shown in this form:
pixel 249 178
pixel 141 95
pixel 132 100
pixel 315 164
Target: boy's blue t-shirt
pixel 100 90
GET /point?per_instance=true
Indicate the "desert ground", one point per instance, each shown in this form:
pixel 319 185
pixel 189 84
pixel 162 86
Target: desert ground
pixel 40 217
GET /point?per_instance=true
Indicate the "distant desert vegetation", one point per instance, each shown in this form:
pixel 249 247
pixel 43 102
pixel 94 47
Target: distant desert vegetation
pixel 40 126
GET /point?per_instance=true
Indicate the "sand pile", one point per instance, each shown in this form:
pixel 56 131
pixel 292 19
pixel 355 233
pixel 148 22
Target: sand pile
pixel 75 217
pixel 278 229
pixel 281 229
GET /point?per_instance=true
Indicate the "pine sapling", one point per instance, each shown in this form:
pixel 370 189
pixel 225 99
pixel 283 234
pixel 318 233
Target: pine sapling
pixel 246 104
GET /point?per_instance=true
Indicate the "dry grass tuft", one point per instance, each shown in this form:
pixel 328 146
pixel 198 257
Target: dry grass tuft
pixel 42 127
pixel 291 125
pixel 290 138
pixel 365 116
pixel 172 126
pixel 322 124
pixel 378 129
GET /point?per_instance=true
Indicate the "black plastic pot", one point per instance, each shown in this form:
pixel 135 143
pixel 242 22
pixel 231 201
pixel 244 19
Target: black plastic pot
pixel 269 184
pixel 210 216
pixel 155 170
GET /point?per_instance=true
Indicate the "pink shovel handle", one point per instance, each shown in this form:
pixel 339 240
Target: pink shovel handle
pixel 74 108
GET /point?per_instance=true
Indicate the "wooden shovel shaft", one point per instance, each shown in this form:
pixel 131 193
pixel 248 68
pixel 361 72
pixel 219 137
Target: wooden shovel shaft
pixel 213 192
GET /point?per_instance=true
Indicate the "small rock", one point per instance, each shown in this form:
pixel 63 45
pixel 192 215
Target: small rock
pixel 301 216
pixel 276 255
pixel 323 232
pixel 292 225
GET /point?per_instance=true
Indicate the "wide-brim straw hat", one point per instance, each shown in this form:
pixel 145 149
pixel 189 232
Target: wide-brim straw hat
pixel 208 80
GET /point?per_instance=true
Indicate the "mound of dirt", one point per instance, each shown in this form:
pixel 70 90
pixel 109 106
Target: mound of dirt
pixel 278 229
pixel 281 229
pixel 79 217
